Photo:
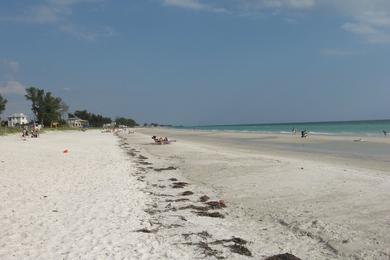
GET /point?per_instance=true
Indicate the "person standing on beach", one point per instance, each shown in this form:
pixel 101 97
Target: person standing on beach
pixel 385 132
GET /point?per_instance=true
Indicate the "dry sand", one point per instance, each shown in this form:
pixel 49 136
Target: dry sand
pixel 82 205
pixel 126 198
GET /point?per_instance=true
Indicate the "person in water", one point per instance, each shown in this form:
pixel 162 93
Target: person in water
pixel 384 132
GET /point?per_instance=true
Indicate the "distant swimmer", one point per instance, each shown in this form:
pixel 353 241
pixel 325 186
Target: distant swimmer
pixel 384 132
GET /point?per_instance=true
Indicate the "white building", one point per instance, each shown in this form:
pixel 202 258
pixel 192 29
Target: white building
pixel 17 120
pixel 76 122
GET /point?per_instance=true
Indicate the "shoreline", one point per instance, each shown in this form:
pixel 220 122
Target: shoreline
pixel 311 133
pixel 371 152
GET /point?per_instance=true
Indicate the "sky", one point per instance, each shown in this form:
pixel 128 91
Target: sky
pixel 199 62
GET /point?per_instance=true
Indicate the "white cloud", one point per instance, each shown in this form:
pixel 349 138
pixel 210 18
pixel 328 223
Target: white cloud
pixel 368 19
pixel 195 5
pixel 84 34
pixel 368 31
pixel 190 4
pixel 58 13
pixel 12 87
pixel 278 4
pixel 237 6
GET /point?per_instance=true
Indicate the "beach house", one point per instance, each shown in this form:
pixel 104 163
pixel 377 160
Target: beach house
pixel 76 122
pixel 17 119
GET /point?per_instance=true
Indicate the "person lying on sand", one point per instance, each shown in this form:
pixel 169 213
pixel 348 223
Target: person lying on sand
pixel 162 140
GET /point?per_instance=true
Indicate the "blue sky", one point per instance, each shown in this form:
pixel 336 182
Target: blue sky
pixel 201 62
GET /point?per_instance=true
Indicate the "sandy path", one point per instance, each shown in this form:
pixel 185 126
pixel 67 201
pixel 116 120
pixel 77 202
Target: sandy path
pixel 83 205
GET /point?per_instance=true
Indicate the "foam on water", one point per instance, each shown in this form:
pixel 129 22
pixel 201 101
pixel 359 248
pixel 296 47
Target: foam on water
pixel 360 128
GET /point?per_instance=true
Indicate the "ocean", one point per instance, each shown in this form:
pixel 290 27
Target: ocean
pixel 355 128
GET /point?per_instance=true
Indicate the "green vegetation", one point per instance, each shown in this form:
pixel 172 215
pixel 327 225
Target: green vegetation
pixel 46 108
pixel 93 120
pixel 3 102
pixel 4 130
pixel 49 111
pixel 125 121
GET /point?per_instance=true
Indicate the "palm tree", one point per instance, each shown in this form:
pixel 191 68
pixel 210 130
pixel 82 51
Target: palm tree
pixel 3 102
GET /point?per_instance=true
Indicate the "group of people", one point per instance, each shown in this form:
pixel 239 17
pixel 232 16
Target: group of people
pixel 34 132
pixel 304 133
pixel 161 140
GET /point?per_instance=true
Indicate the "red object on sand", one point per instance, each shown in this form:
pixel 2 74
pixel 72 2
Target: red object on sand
pixel 66 151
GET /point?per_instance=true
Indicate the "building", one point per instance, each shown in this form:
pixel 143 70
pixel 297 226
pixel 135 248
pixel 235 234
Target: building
pixel 76 122
pixel 17 120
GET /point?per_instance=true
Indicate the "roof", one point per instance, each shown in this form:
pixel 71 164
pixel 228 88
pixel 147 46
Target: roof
pixel 76 119
pixel 18 115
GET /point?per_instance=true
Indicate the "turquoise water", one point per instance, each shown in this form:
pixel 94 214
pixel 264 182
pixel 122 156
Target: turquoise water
pixel 361 128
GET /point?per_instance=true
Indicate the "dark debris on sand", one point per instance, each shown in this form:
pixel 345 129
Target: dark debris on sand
pixel 131 153
pixel 145 230
pixel 207 251
pixel 239 249
pixel 199 208
pixel 186 193
pixel 144 163
pixel 235 244
pixel 216 204
pixel 179 185
pixel 285 256
pixel 170 168
pixel 177 200
pixel 209 214
pixel 141 157
pixel 204 198
pixel 203 235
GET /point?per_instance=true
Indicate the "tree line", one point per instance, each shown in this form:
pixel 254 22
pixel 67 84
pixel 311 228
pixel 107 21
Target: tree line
pixel 49 109
pixel 93 120
pixel 3 102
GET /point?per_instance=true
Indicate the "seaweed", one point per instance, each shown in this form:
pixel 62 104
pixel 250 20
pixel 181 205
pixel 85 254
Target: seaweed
pixel 207 250
pixel 216 204
pixel 177 200
pixel 145 230
pixel 144 163
pixel 179 185
pixel 209 214
pixel 204 198
pixel 199 208
pixel 187 193
pixel 285 256
pixel 239 249
pixel 203 235
pixel 170 168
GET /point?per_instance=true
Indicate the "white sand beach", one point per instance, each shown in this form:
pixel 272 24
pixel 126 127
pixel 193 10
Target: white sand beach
pixel 123 197
pixel 82 205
